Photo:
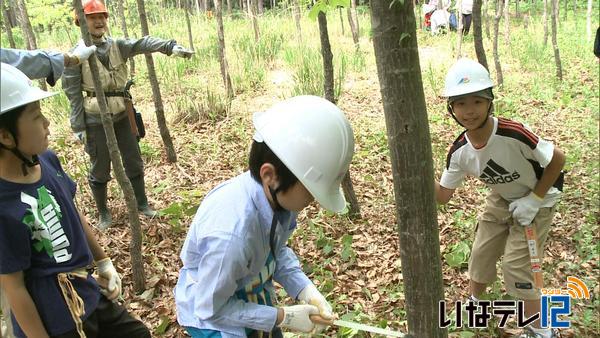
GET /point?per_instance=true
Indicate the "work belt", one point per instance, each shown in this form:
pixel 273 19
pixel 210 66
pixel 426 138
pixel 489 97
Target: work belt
pixel 107 94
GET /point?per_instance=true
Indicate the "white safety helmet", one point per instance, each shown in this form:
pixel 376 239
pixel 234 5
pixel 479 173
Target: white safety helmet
pixel 466 76
pixel 17 89
pixel 314 140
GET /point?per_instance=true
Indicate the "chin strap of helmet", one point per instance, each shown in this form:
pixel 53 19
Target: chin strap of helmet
pixel 26 162
pixel 278 209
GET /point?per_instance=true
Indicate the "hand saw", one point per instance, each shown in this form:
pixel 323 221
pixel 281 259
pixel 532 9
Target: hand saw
pixel 358 326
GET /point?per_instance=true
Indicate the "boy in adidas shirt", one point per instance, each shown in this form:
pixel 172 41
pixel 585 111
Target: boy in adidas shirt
pixel 46 245
pixel 524 174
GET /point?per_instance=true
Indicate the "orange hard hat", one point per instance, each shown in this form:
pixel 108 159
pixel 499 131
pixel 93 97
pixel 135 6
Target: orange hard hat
pixel 91 7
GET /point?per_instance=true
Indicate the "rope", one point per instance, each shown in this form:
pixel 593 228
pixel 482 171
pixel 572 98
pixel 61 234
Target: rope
pixel 74 302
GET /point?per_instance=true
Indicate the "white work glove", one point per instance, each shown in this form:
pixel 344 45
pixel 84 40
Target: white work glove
pixel 297 317
pixel 182 52
pixel 109 279
pixel 81 136
pixel 311 295
pixel 525 208
pixel 83 52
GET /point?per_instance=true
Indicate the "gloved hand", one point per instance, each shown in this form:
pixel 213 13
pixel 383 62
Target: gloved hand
pixel 525 208
pixel 182 52
pixel 297 317
pixel 107 272
pixel 81 136
pixel 83 52
pixel 312 296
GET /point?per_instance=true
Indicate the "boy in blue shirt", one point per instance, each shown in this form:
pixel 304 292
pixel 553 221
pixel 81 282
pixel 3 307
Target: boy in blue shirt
pixel 46 245
pixel 236 245
pixel 523 172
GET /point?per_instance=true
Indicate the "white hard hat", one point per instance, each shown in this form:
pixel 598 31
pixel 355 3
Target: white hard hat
pixel 17 89
pixel 466 76
pixel 314 140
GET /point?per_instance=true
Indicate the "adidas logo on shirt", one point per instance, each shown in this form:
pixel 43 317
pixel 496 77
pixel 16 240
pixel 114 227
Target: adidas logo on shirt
pixel 495 174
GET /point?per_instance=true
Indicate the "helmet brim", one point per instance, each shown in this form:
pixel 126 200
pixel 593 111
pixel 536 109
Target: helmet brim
pixel 34 94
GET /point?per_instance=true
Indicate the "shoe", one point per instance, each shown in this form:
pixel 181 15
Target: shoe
pixel 529 332
pixel 104 216
pixel 139 189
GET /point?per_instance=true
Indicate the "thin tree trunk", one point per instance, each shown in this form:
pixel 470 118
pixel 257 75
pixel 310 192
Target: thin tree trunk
pixel 556 13
pixel 222 54
pixel 135 248
pixel 566 9
pixel 187 9
pixel 477 34
pixel 545 18
pixel 123 22
pixel 352 26
pixel 506 22
pixel 158 103
pixel 28 32
pixel 7 26
pixel 260 8
pixel 355 14
pixel 517 9
pixel 486 18
pixel 400 83
pixel 253 13
pixel 589 21
pixel 296 11
pixel 459 30
pixel 555 44
pixel 229 9
pixel 341 20
pixel 497 64
pixel 347 186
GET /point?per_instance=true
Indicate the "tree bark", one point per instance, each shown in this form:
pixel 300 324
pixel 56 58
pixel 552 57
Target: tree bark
pixel 229 9
pixel 545 18
pixel 355 14
pixel 253 14
pixel 123 23
pixel 589 21
pixel 28 32
pixel 477 34
pixel 7 26
pixel 135 248
pixel 352 26
pixel 222 54
pixel 158 103
pixel 187 10
pixel 296 11
pixel 341 20
pixel 497 64
pixel 557 61
pixel 399 72
pixel 507 22
pixel 486 18
pixel 347 186
pixel 260 7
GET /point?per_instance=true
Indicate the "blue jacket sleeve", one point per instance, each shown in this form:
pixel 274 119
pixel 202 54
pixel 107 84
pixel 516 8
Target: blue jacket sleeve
pixel 36 64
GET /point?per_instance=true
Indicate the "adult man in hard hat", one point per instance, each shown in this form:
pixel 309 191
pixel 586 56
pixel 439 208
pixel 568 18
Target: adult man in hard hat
pixel 85 110
pixel 236 245
pixel 46 244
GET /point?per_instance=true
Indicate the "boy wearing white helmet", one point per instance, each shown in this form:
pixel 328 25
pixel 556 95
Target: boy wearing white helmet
pixel 46 245
pixel 523 172
pixel 236 245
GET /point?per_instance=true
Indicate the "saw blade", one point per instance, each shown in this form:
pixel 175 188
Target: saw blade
pixel 368 328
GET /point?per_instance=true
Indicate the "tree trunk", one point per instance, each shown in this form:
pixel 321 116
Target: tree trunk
pixel 517 9
pixel 506 22
pixel 589 21
pixel 253 12
pixel 497 64
pixel 296 10
pixel 355 14
pixel 477 33
pixel 187 10
pixel 352 26
pixel 7 27
pixel 341 20
pixel 556 13
pixel 28 32
pixel 158 104
pixel 347 186
pixel 459 30
pixel 545 18
pixel 135 248
pixel 399 72
pixel 260 8
pixel 566 9
pixel 554 43
pixel 123 23
pixel 222 55
pixel 229 9
pixel 486 18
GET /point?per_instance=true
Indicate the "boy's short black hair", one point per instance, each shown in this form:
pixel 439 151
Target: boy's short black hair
pixel 260 153
pixel 8 120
